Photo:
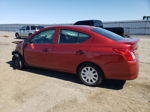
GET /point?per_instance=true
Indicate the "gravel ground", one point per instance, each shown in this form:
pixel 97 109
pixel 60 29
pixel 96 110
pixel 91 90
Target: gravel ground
pixel 37 90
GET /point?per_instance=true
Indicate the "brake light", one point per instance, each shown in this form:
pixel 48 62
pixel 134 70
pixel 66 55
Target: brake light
pixel 129 55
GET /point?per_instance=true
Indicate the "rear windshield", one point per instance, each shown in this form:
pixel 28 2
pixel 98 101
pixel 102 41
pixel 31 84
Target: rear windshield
pixel 107 34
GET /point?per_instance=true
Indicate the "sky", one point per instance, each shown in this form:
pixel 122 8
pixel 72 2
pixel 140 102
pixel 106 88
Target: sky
pixel 70 11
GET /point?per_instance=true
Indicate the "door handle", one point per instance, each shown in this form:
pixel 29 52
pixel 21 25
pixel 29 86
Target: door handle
pixel 45 50
pixel 80 52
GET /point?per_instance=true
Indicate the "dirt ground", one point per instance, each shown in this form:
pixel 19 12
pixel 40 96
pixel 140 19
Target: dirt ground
pixel 37 90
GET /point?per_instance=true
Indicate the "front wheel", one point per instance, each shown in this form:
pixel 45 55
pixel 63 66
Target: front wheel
pixel 90 75
pixel 17 62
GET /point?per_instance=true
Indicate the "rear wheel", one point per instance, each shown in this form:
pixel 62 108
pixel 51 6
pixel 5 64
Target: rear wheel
pixel 17 36
pixel 90 75
pixel 17 62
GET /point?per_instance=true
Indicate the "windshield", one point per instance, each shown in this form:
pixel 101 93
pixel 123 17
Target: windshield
pixel 107 34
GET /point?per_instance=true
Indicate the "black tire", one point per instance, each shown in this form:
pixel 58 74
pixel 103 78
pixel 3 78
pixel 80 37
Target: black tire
pixel 97 74
pixel 17 36
pixel 17 62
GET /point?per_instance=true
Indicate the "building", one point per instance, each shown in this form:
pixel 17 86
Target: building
pixel 147 18
pixel 135 27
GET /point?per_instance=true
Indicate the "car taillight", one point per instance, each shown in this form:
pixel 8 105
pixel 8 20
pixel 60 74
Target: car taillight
pixel 129 55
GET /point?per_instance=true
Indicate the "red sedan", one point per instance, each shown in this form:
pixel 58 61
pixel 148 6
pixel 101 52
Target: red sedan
pixel 92 53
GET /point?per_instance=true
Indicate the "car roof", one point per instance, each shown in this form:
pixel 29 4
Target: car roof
pixel 74 26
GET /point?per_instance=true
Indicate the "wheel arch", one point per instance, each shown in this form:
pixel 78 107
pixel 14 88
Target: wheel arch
pixel 88 62
pixel 17 33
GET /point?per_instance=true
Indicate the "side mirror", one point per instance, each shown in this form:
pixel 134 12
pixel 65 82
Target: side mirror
pixel 27 40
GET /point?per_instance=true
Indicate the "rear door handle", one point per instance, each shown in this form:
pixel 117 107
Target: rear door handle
pixel 45 50
pixel 80 52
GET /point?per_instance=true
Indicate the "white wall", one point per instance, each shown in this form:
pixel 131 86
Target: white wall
pixel 132 27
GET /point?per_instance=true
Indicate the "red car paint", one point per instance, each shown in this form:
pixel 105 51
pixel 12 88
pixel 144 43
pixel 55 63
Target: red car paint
pixel 113 57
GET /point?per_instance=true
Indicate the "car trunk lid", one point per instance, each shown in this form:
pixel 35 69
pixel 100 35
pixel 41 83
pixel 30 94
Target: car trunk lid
pixel 130 53
pixel 133 42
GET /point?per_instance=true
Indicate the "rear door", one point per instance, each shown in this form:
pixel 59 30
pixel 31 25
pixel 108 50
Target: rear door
pixel 35 53
pixel 71 49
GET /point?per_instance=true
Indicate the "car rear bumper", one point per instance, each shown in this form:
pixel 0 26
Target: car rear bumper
pixel 124 71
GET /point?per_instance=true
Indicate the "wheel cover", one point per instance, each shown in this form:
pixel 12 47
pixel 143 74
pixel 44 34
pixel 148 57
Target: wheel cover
pixel 89 75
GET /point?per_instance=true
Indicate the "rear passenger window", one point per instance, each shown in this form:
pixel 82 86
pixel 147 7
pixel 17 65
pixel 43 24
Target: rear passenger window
pixel 83 37
pixel 69 36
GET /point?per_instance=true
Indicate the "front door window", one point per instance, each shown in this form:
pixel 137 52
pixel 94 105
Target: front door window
pixel 45 37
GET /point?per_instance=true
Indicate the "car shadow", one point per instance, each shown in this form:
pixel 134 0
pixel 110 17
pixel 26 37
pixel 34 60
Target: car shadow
pixel 107 83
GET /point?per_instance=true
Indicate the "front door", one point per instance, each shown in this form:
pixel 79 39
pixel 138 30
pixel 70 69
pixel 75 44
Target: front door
pixel 22 31
pixel 27 31
pixel 35 53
